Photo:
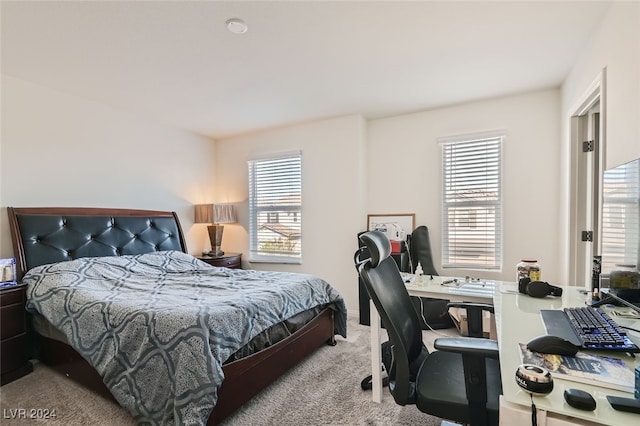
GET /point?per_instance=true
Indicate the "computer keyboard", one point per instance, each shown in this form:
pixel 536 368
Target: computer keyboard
pixel 588 327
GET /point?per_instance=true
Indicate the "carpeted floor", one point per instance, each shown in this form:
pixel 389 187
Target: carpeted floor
pixel 323 390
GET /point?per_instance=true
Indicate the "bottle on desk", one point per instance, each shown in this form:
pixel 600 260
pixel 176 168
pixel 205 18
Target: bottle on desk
pixel 419 273
pixel 528 268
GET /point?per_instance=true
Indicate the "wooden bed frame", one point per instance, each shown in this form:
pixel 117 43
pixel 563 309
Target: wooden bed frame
pixel 244 378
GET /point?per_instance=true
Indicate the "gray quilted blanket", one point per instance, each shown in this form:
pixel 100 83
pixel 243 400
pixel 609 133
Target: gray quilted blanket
pixel 159 326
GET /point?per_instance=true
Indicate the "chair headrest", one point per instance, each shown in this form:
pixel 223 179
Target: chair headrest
pixel 378 245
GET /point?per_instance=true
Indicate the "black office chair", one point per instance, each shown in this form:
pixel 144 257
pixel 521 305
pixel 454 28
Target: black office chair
pixel 435 310
pixel 420 251
pixel 460 381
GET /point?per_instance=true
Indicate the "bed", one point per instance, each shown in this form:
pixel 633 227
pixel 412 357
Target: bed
pixel 218 335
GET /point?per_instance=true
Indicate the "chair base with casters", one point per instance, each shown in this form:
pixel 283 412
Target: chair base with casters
pixel 460 381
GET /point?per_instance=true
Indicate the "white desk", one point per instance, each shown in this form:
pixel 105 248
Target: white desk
pixel 479 292
pixel 518 321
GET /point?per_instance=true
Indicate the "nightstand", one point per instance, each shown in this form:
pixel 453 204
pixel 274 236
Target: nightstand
pixel 227 260
pixel 14 354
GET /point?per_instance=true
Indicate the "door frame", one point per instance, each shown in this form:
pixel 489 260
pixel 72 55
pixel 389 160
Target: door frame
pixel 581 253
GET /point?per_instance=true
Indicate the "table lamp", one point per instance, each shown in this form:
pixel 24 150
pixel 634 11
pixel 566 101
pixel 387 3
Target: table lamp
pixel 215 214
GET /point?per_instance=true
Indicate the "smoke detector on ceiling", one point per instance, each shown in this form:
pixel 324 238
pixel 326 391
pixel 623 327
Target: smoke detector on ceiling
pixel 237 26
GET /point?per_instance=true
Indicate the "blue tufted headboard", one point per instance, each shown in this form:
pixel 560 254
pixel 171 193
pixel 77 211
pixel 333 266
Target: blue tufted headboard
pixel 44 235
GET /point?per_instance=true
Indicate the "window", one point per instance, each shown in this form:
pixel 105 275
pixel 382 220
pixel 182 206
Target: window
pixel 275 209
pixel 472 202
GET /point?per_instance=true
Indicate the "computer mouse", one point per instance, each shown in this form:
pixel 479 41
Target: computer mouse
pixel 579 399
pixel 549 344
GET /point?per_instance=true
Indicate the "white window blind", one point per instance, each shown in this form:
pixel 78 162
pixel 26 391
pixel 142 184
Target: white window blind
pixel 275 209
pixel 621 216
pixel 472 203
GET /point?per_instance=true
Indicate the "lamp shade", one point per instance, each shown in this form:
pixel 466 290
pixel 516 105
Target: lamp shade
pixel 224 213
pixel 215 213
pixel 203 213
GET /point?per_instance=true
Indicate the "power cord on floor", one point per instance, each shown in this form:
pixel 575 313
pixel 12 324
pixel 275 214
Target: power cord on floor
pixel 425 320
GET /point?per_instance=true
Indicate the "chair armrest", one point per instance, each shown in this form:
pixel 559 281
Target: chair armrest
pixel 475 365
pixel 485 348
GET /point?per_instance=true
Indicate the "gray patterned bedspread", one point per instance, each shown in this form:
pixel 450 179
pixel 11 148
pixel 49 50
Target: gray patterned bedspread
pixel 159 326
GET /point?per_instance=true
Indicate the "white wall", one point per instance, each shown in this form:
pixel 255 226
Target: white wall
pixel 61 150
pixel 402 163
pixel 332 194
pixel 408 157
pixel 394 167
pixel 58 150
pixel 616 47
pixel 613 51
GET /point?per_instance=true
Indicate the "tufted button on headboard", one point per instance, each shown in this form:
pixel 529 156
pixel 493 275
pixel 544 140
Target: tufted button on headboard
pixel 48 235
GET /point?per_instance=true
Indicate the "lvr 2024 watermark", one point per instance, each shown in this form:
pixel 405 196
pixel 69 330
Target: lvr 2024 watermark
pixel 29 413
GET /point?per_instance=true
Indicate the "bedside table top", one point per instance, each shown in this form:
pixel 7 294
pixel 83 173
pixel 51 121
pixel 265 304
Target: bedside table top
pixel 13 294
pixel 227 260
pixel 225 255
pixel 12 287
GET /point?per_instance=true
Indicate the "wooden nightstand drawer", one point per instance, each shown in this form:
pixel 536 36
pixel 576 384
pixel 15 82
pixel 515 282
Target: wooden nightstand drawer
pixel 12 321
pixel 14 348
pixel 14 353
pixel 230 260
pixel 13 295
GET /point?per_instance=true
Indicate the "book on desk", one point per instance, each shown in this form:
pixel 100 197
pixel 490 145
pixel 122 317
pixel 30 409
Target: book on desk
pixel 603 371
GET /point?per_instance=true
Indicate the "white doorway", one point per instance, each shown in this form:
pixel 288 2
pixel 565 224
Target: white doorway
pixel 587 159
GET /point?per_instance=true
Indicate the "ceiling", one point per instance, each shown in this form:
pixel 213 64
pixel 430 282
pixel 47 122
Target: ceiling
pixel 176 62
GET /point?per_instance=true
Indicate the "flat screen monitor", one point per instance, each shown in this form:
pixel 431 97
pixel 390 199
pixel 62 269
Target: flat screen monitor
pixel 626 296
pixel 620 234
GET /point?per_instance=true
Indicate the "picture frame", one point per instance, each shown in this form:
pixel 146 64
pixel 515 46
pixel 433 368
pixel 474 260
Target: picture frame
pixel 8 272
pixel 395 226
